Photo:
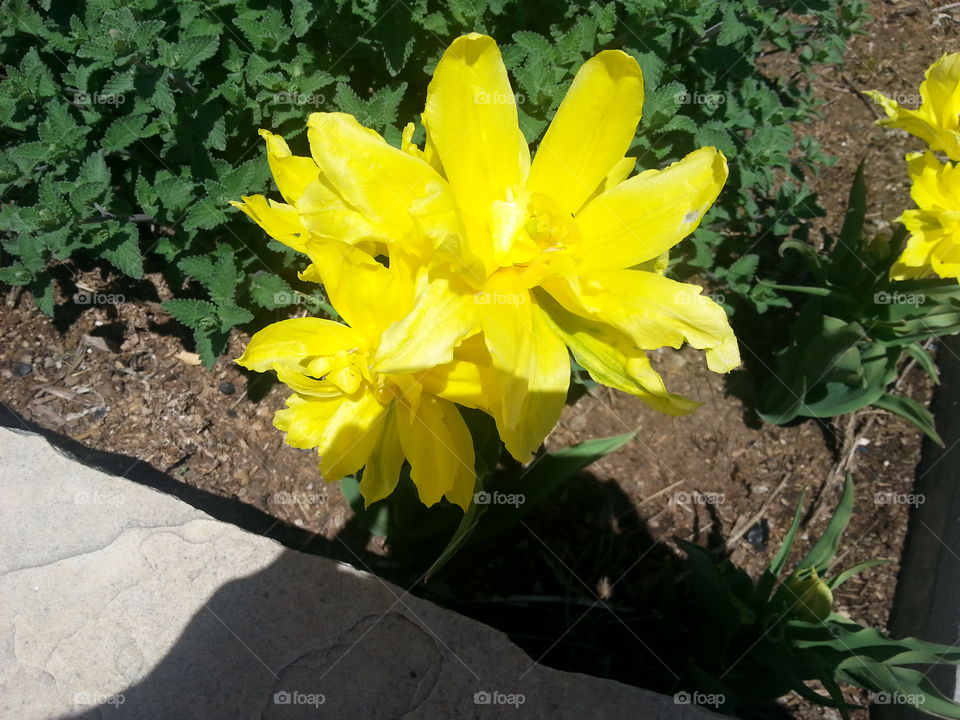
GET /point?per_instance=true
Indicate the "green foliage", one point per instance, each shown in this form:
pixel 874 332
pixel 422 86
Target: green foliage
pixel 501 499
pixel 128 125
pixel 779 633
pixel 856 327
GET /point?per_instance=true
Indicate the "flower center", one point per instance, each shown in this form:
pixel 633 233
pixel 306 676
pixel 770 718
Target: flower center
pixel 527 230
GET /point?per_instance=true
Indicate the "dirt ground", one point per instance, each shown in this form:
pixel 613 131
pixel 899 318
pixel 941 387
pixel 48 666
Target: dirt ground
pixel 115 375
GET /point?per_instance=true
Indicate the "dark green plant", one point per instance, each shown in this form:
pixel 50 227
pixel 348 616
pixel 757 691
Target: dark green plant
pixel 501 500
pixel 128 125
pixel 851 334
pixel 754 641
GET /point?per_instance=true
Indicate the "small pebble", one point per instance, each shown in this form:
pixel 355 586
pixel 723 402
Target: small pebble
pixel 21 368
pixel 758 535
pixel 227 388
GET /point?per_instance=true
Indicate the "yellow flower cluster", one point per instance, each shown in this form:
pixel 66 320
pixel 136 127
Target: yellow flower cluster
pixel 933 246
pixel 466 273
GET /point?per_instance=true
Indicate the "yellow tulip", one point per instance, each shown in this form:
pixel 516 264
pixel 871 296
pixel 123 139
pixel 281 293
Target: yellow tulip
pixel 933 246
pixel 564 251
pixel 511 262
pixel 354 416
pixel 937 120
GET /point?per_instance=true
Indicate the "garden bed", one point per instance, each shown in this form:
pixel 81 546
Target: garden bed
pixel 117 374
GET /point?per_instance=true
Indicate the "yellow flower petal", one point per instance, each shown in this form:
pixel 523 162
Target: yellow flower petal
pixel 935 185
pixel 934 243
pixel 471 120
pixel 382 470
pixel 653 311
pixel 429 152
pixel 324 213
pixel 373 177
pixel 937 120
pixel 532 370
pixel 291 172
pixel 279 221
pixel 592 130
pixel 613 360
pixel 467 380
pixel 438 447
pixel 368 295
pixel 643 217
pixel 344 429
pixel 444 312
pixel 290 342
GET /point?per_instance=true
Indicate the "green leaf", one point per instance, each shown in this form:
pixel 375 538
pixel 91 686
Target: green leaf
pixel 823 552
pixel 778 561
pixel 544 475
pixel 204 215
pixel 376 518
pixel 840 579
pixel 302 16
pixel 123 132
pixel 271 291
pixel 912 411
pixel 16 274
pixel 224 279
pixel 195 314
pixel 924 360
pixel 123 251
pixel 460 537
pixel 232 315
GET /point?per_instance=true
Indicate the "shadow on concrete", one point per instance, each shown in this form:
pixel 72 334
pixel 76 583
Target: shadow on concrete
pixel 538 582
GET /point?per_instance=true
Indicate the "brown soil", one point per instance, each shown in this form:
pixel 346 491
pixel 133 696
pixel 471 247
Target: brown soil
pixel 705 477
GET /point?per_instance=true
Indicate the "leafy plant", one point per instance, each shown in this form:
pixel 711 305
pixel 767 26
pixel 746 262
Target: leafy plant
pixel 856 326
pixel 501 501
pixel 779 633
pixel 128 125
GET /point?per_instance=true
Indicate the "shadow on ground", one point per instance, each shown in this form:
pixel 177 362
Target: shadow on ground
pixel 574 585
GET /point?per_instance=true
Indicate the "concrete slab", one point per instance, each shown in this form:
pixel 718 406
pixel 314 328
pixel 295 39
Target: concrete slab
pixel 123 602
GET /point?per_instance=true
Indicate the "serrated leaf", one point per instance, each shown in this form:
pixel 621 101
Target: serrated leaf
pixel 123 251
pixel 15 274
pixel 271 291
pixel 232 315
pixel 302 16
pixel 123 132
pixel 204 215
pixel 194 314
pixel 224 279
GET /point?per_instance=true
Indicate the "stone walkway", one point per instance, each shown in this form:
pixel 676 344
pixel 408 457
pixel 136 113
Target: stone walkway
pixel 118 601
